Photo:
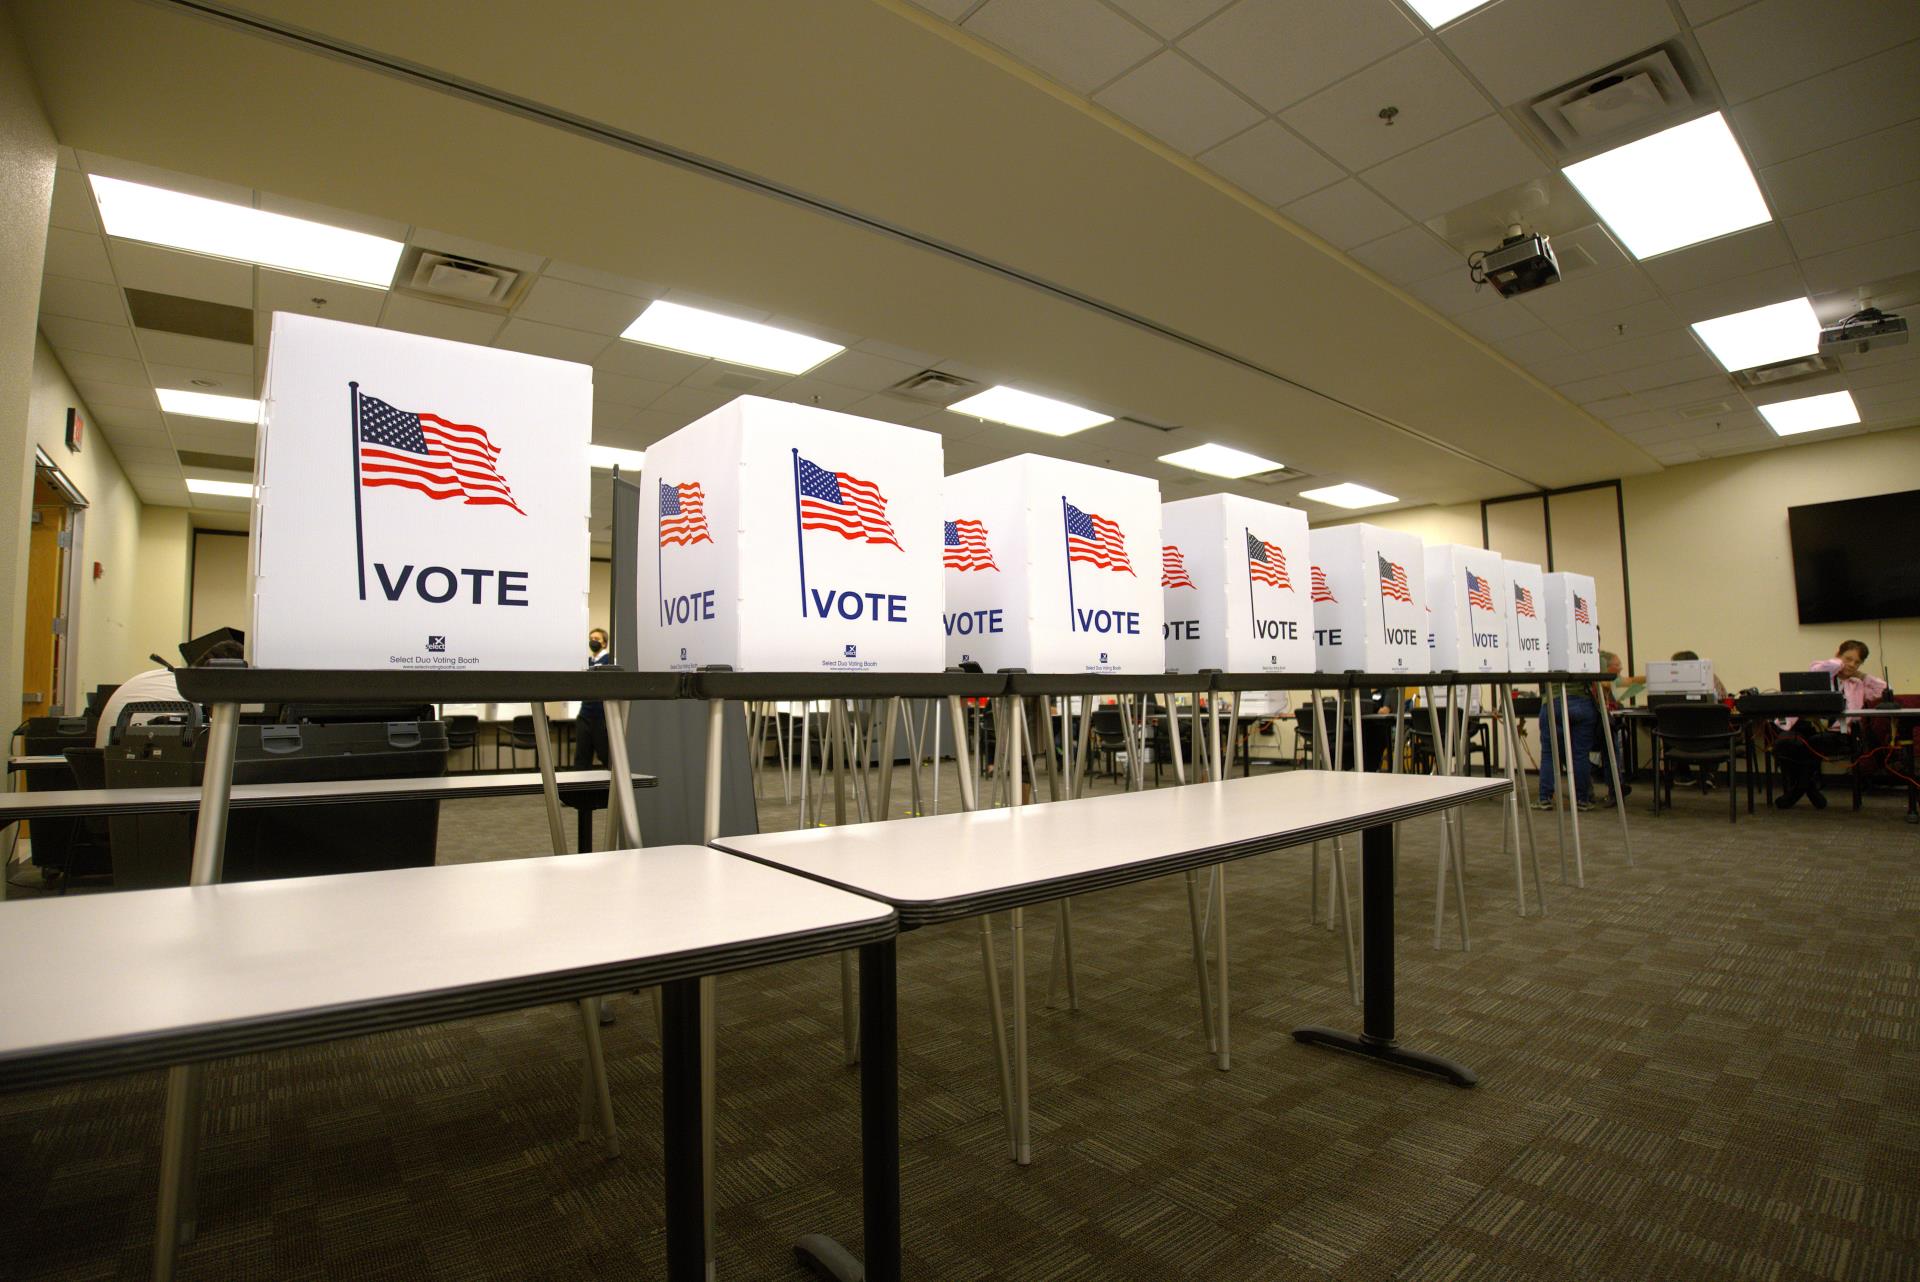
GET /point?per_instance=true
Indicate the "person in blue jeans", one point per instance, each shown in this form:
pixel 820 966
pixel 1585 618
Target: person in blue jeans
pixel 1584 721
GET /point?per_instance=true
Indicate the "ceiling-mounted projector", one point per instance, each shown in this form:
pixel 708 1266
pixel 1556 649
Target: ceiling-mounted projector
pixel 1523 263
pixel 1862 332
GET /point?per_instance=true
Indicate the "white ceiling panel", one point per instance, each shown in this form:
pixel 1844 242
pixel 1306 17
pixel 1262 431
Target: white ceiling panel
pixel 198 378
pixel 157 456
pixel 864 370
pixel 610 418
pixel 1606 328
pixel 1683 369
pixel 1081 43
pixel 101 395
pixel 621 390
pixel 277 291
pixel 1701 12
pixel 1170 18
pixel 206 437
pixel 1346 214
pixel 1270 163
pixel 76 253
pixel 1649 350
pixel 169 271
pixel 1852 168
pixel 1858 221
pixel 598 279
pixel 1852 268
pixel 1695 391
pixel 551 340
pixel 651 425
pixel 1453 292
pixel 1521 48
pixel 571 306
pixel 1848 102
pixel 1723 258
pixel 84 299
pixel 1431 96
pixel 692 401
pixel 1588 390
pixel 654 364
pixel 203 353
pixel 1410 254
pixel 72 335
pixel 73 205
pixel 1279 51
pixel 1531 347
pixel 1739 294
pixel 1906 389
pixel 823 395
pixel 1178 103
pixel 1506 321
pixel 1776 43
pixel 951 10
pixel 437 320
pixel 1589 294
pixel 1483 158
pixel 132 418
pixel 893 409
pixel 87 367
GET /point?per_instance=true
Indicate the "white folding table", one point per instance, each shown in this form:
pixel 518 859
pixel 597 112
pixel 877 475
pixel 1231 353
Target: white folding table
pixel 162 978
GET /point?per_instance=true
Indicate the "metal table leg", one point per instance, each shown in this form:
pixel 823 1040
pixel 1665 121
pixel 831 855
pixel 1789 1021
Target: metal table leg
pixel 683 1117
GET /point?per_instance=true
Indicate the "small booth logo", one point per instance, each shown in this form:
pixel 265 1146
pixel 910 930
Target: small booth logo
pixel 436 644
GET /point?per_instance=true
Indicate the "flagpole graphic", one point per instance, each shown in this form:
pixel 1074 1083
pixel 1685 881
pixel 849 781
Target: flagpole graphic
pixel 1066 536
pixel 660 557
pixel 359 533
pixel 1253 615
pixel 799 533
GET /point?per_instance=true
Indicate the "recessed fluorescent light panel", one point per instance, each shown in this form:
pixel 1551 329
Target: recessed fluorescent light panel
pixel 1221 460
pixel 1437 13
pixel 1811 413
pixel 725 338
pixel 225 489
pixel 228 409
pixel 1778 332
pixel 1673 189
pixel 604 458
pixel 135 211
pixel 1347 494
pixel 1016 408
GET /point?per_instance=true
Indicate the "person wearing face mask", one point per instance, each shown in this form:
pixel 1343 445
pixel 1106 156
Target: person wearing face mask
pixel 1804 745
pixel 590 739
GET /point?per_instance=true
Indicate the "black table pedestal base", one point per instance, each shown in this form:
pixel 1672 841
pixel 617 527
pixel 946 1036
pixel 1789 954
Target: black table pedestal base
pixel 1387 1052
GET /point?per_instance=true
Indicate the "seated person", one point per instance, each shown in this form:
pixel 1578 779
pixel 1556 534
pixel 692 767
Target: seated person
pixel 156 685
pixel 1584 729
pixel 1803 746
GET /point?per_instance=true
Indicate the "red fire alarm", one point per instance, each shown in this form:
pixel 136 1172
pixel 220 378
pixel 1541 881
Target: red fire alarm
pixel 97 571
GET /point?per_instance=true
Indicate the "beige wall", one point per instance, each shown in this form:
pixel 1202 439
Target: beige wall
pixel 160 599
pixel 1454 523
pixel 220 597
pixel 1712 570
pixel 26 197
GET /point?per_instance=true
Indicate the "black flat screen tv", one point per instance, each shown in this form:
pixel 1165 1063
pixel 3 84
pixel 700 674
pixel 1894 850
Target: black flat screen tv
pixel 1858 558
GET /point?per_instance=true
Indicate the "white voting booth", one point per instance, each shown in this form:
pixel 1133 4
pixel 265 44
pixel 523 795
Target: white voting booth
pixel 1073 584
pixel 1466 591
pixel 1573 628
pixel 1234 575
pixel 451 532
pixel 784 538
pixel 1526 617
pixel 1369 588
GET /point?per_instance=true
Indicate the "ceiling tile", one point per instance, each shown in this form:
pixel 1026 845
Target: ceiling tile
pixel 1868 96
pixel 71 335
pixel 951 10
pixel 85 299
pixel 864 370
pixel 329 216
pixel 198 378
pixel 1606 328
pixel 1776 43
pixel 1682 369
pixel 1178 103
pixel 1170 17
pixel 133 455
pixel 1615 409
pixel 1080 43
pixel 596 311
pixel 1279 51
pixel 1496 323
pixel 1723 258
pixel 1863 264
pixel 437 320
pixel 640 361
pixel 826 396
pixel 1858 221
pixel 73 205
pixel 204 353
pixel 286 292
pixel 1431 95
pixel 169 271
pixel 1848 169
pixel 610 418
pixel 1531 348
pixel 1585 391
pixel 1453 292
pixel 1410 254
pixel 129 418
pixel 1521 48
pixel 1695 391
pixel 100 395
pixel 1589 294
pixel 207 437
pixel 1270 163
pixel 87 367
pixel 1700 12
pixel 893 409
pixel 651 425
pixel 735 380
pixel 692 401
pixel 75 253
pixel 621 390
pixel 911 356
pixel 552 340
pixel 1346 214
pixel 1880 394
pixel 1485 157
pixel 598 279
pixel 1652 349
pixel 1738 294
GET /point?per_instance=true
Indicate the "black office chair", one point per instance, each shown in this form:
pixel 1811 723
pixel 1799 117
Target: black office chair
pixel 1108 737
pixel 463 735
pixel 1699 733
pixel 89 850
pixel 519 739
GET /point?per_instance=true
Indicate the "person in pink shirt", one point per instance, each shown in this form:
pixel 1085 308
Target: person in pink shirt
pixel 1801 750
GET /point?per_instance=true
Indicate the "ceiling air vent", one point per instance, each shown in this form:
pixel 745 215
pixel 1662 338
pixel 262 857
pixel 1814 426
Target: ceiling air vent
pixel 1628 100
pixel 1276 476
pixel 1794 371
pixel 933 387
pixel 464 280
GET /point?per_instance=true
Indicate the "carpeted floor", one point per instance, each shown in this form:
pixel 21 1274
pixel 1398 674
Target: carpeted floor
pixel 1703 1066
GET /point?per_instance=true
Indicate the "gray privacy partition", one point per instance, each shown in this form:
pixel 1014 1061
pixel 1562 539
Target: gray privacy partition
pixel 669 742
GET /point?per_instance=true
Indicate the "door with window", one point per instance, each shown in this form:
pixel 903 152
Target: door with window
pixel 47 677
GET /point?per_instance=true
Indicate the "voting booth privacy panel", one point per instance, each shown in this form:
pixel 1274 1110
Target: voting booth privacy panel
pixel 1369 588
pixel 419 504
pixel 1466 592
pixel 1526 617
pixel 784 538
pixel 1234 579
pixel 1053 567
pixel 1573 629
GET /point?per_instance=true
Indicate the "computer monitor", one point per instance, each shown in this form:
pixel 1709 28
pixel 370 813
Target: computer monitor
pixel 1680 676
pixel 1803 682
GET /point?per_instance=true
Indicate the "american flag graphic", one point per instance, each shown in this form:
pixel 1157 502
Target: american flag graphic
pixel 1321 592
pixel 1580 612
pixel 1173 569
pixel 424 452
pixel 848 506
pixel 1267 563
pixel 965 547
pixel 1096 540
pixel 1393 580
pixel 1523 603
pixel 1479 595
pixel 683 514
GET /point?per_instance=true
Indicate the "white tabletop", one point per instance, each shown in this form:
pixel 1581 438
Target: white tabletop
pixel 112 983
pixel 305 792
pixel 957 865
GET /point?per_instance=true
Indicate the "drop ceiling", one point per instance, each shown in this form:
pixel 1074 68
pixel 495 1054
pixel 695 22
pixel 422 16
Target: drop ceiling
pixel 933 204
